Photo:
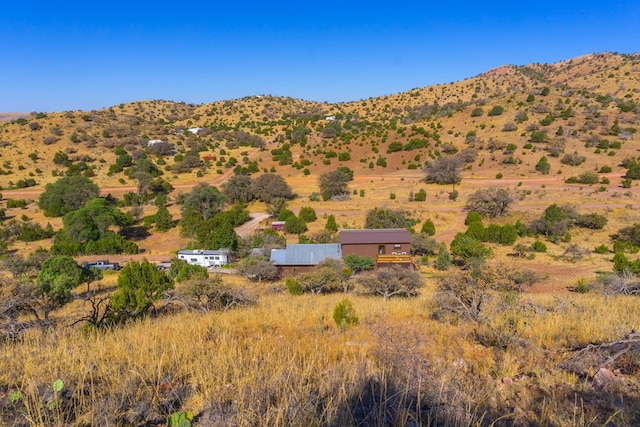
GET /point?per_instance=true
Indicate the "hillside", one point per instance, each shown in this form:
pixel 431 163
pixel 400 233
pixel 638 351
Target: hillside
pixel 589 98
pixel 539 335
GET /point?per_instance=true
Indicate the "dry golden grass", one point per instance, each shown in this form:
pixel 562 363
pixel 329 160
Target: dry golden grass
pixel 284 362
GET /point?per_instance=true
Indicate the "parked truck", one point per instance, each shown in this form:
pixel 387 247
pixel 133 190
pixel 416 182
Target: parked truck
pixel 104 265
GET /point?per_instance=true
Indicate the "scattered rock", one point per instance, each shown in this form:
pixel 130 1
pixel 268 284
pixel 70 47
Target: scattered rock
pixel 507 381
pixel 605 379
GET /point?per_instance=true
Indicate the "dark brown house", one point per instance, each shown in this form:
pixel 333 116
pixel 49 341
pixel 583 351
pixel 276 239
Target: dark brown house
pixel 385 246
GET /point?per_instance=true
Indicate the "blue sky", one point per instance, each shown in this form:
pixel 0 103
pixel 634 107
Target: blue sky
pixel 91 55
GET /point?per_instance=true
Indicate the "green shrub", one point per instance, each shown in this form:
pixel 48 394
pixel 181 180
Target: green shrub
pixel 582 286
pixel 344 314
pixel 602 249
pixel 428 228
pixel 477 112
pixel 293 287
pixel 496 111
pixel 538 246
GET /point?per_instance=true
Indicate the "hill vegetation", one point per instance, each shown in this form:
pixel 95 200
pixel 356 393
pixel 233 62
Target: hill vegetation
pixel 519 186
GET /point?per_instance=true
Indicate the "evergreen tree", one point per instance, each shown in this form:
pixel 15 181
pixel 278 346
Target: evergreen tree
pixel 164 219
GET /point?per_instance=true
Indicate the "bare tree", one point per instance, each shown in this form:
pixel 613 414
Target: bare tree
pixel 395 281
pixel 491 202
pixel 444 170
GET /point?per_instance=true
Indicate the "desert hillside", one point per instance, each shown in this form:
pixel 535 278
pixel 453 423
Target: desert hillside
pixel 519 187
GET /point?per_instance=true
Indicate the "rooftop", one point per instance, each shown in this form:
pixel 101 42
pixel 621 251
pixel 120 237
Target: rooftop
pixel 378 235
pixel 305 254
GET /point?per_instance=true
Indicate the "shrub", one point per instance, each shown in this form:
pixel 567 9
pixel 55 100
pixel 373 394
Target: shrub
pixel 633 172
pixel 543 166
pixel 588 177
pixel 344 314
pixel 428 228
pixel 574 159
pixel 496 111
pixel 292 286
pixel 16 203
pixel 467 248
pixel 592 221
pixel 602 249
pixel 477 112
pixel 538 136
pixel 181 271
pixel 509 127
pixel 359 263
pixel 605 169
pixel 139 286
pixel 539 246
pixel 420 196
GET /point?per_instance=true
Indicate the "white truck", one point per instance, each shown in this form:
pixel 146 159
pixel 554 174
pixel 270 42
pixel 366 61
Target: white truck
pixel 104 265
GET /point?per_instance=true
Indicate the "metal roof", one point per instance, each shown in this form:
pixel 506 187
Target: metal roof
pixel 305 254
pixel 378 235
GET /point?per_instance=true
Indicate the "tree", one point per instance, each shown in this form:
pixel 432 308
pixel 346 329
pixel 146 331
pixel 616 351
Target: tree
pixel 443 170
pixel 491 202
pixel 212 293
pixel 218 232
pixel 331 224
pixel 239 189
pixel 92 230
pixel 334 183
pixel 190 223
pixel 295 225
pixel 422 244
pixel 326 277
pixel 307 214
pixel 468 249
pixel 394 281
pixel 269 186
pixel 443 260
pixel 204 199
pixel 543 166
pixel 140 285
pixel 385 218
pixel 258 268
pixel 67 194
pixel 163 219
pixel 57 278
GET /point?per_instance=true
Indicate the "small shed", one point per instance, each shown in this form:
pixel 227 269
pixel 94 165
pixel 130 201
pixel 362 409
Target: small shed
pixel 204 257
pixel 277 225
pixel 300 258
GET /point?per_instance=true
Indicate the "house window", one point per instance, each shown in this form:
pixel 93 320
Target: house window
pixel 381 250
pixel 396 246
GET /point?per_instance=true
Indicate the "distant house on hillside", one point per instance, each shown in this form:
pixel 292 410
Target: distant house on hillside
pixel 205 258
pixel 300 258
pixel 385 246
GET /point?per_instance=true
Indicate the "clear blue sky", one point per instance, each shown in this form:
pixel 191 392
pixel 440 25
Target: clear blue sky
pixel 90 55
